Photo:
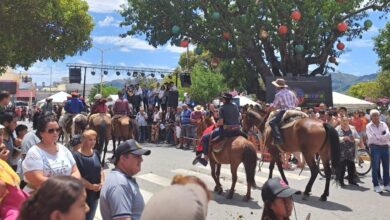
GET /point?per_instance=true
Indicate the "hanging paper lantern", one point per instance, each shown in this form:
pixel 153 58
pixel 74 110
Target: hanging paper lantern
pixel 215 15
pixel 215 62
pixel 175 29
pixel 367 23
pixel 282 30
pixel 263 34
pixel 184 43
pixel 299 48
pixel 342 27
pixel 226 35
pixel 198 51
pixel 296 15
pixel 340 45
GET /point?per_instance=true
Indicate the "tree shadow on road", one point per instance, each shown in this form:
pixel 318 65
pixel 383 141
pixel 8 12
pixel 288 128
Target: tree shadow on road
pixel 314 201
pixel 237 200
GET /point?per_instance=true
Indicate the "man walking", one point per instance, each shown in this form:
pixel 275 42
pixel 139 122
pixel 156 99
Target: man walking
pixel 120 195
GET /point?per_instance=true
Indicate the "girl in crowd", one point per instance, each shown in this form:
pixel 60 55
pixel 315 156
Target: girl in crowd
pixel 92 176
pixel 59 198
pixel 48 158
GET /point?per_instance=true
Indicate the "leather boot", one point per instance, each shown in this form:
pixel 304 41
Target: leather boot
pixel 276 133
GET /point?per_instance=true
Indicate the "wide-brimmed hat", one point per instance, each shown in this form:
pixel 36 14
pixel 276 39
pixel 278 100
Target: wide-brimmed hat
pixel 280 83
pixel 198 108
pixel 227 95
pixel 98 96
pixel 276 188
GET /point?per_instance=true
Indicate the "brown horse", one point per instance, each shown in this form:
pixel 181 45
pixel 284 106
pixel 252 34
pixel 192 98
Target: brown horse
pixel 235 150
pixel 101 123
pixel 309 136
pixel 122 129
pixel 74 125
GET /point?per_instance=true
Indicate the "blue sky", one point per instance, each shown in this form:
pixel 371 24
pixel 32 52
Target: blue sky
pixel 135 52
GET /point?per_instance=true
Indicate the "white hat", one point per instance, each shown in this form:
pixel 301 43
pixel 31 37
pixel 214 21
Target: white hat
pixel 98 96
pixel 1 126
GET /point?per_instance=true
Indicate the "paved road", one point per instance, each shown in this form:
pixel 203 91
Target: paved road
pixel 348 203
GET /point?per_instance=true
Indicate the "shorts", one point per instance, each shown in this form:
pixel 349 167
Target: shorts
pixel 186 131
pixel 178 131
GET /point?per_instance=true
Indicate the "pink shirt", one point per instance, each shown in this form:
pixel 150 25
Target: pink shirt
pixel 285 100
pixel 9 208
pixel 375 136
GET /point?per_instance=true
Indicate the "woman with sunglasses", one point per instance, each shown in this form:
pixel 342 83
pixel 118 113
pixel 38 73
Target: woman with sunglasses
pixel 48 158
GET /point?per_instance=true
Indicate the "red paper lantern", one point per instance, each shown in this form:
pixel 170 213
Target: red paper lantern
pixel 282 30
pixel 342 27
pixel 296 15
pixel 215 62
pixel 340 45
pixel 226 35
pixel 184 43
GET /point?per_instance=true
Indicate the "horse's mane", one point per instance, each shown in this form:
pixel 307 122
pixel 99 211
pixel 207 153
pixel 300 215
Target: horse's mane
pixel 252 113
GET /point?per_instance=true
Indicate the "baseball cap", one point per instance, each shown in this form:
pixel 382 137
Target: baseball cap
pixel 130 146
pixel 276 187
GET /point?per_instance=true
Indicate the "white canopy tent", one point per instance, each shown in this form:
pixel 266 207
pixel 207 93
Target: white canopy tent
pixel 245 101
pixel 351 103
pixel 58 98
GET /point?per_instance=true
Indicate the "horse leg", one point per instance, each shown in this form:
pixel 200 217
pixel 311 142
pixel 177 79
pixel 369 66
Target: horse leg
pixel 114 146
pixel 271 167
pixel 313 175
pixel 280 168
pixel 233 170
pixel 328 174
pixel 105 150
pixel 218 186
pixel 218 171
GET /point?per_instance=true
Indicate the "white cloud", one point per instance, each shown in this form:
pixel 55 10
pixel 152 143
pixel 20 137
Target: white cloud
pixel 40 72
pixel 83 62
pixel 122 64
pixel 132 43
pixel 143 65
pixel 105 6
pixel 108 21
pixel 360 43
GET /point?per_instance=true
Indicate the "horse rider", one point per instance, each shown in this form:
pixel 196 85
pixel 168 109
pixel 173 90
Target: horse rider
pixel 228 124
pixel 121 107
pixel 72 107
pixel 47 107
pixel 99 106
pixel 284 100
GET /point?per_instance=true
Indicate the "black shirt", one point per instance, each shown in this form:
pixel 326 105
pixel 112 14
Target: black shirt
pixel 230 114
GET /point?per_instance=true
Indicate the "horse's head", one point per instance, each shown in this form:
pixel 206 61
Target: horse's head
pixel 252 118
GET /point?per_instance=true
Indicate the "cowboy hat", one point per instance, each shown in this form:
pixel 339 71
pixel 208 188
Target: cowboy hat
pixel 198 108
pixel 280 83
pixel 98 96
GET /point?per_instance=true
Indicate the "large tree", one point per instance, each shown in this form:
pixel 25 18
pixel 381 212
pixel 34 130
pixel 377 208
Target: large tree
pixel 263 36
pixel 41 29
pixel 382 47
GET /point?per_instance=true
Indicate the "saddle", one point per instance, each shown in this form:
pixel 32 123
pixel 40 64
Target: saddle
pixel 289 118
pixel 217 145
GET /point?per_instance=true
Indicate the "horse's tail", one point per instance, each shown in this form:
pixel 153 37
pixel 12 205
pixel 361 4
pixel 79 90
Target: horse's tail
pixel 101 135
pixel 333 137
pixel 249 158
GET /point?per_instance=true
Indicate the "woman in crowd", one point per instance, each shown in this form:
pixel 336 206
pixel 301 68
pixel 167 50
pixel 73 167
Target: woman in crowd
pixel 9 122
pixel 59 198
pixel 277 198
pixel 348 137
pixel 48 158
pixel 92 176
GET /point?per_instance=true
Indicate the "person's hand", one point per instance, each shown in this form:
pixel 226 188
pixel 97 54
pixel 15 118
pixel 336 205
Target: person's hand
pixel 17 142
pixel 346 138
pixel 96 187
pixel 4 152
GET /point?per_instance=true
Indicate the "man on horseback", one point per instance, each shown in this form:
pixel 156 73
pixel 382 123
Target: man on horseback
pixel 121 106
pixel 72 107
pixel 284 100
pixel 100 105
pixel 47 107
pixel 228 124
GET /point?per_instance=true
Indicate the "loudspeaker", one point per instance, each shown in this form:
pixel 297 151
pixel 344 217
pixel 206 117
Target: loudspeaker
pixel 173 99
pixel 185 79
pixel 74 75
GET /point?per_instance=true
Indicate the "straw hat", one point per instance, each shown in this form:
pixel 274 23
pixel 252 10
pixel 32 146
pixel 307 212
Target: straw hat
pixel 198 108
pixel 98 96
pixel 280 83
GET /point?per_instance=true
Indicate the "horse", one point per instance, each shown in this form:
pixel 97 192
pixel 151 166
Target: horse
pixel 306 135
pixel 73 125
pixel 122 130
pixel 101 123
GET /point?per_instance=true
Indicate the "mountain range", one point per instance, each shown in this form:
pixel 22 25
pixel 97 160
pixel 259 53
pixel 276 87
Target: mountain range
pixel 340 81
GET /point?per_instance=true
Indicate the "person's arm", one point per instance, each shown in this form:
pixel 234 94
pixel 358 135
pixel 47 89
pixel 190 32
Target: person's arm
pixel 75 172
pixel 35 178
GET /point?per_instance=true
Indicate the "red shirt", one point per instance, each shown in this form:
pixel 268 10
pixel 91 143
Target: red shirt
pixel 121 106
pixel 99 107
pixel 206 131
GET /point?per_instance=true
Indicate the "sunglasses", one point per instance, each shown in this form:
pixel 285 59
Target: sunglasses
pixel 52 130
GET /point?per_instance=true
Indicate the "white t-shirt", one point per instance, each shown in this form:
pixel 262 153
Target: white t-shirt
pixel 57 164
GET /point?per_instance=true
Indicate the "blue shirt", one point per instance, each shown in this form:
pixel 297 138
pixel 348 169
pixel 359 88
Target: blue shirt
pixel 185 117
pixel 74 106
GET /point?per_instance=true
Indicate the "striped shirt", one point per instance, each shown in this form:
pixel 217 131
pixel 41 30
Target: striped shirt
pixel 285 100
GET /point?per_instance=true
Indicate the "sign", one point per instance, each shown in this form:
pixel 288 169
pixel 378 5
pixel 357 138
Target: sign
pixel 9 86
pixel 310 91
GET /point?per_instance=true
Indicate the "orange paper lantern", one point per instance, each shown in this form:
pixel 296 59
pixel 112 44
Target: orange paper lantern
pixel 340 46
pixel 342 27
pixel 184 43
pixel 282 30
pixel 226 35
pixel 296 15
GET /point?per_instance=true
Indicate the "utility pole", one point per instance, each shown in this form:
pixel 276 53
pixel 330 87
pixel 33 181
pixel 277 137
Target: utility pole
pixel 51 73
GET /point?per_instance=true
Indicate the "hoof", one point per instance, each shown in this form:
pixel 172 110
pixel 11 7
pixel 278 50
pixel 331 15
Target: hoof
pixel 298 192
pixel 229 196
pixel 323 198
pixel 305 196
pixel 218 189
pixel 246 198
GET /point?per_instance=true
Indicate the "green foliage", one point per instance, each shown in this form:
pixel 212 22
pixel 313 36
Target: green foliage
pixel 42 29
pixel 383 80
pixel 382 47
pixel 107 90
pixel 243 20
pixel 365 89
pixel 206 84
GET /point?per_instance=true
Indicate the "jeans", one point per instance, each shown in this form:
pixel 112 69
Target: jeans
pixel 143 133
pixel 92 201
pixel 206 140
pixel 380 153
